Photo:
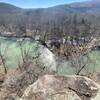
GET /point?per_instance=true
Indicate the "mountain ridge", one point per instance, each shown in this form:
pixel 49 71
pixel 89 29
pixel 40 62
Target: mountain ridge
pixel 8 8
pixel 57 16
pixel 88 6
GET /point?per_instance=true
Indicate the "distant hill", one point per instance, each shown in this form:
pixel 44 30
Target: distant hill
pixel 72 17
pixel 89 6
pixel 7 8
pixel 78 6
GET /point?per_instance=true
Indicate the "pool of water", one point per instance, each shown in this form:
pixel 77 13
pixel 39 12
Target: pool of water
pixel 12 52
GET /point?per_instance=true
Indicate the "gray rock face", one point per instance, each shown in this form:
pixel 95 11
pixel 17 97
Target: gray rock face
pixel 47 58
pixel 52 87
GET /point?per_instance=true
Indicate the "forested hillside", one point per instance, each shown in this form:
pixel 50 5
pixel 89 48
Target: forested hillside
pixel 77 19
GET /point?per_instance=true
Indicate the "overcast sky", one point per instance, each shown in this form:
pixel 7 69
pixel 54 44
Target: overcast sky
pixel 38 3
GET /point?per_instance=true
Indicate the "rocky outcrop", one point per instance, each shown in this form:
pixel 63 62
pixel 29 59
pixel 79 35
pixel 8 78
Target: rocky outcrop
pixel 47 58
pixel 54 87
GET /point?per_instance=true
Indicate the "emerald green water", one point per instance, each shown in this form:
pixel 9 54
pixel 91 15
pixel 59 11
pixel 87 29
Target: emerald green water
pixel 12 52
pixel 92 64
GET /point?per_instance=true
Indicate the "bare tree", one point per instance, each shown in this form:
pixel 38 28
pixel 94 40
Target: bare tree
pixel 3 56
pixel 79 56
pixel 25 56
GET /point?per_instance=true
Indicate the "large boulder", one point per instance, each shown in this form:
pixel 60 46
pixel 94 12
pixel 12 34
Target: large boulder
pixel 54 87
pixel 47 58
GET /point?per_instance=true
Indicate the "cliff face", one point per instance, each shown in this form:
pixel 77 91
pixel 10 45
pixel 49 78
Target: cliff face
pixel 51 87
